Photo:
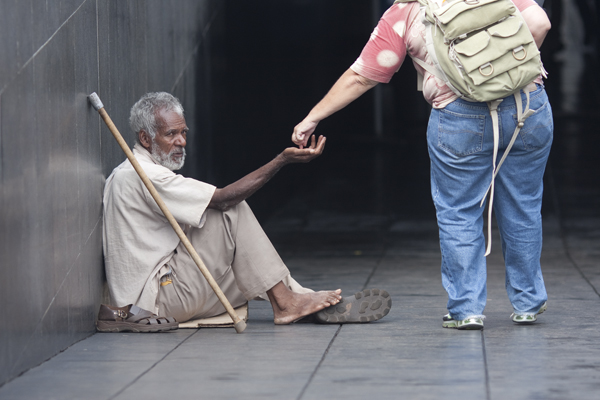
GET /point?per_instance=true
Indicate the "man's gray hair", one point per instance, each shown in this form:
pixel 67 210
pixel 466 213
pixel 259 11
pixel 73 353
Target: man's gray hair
pixel 143 113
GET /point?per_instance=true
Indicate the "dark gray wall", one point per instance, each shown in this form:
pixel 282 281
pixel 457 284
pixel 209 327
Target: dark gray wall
pixel 55 153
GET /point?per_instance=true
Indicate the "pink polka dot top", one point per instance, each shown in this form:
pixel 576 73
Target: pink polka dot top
pixel 400 31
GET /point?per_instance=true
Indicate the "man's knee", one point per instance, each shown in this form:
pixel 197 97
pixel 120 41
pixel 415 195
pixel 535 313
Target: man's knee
pixel 243 206
pixel 241 210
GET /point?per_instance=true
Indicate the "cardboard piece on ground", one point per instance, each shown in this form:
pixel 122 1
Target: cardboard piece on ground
pixel 219 321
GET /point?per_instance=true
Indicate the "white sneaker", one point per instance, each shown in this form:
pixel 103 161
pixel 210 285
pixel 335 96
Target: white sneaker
pixel 469 323
pixel 528 319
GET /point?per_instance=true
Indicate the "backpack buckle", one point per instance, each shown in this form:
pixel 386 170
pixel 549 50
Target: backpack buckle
pixel 519 50
pixel 486 65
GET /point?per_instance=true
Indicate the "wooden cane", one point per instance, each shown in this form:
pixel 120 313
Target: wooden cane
pixel 238 323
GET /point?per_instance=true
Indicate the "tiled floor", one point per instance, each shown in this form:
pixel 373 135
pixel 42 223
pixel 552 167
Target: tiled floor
pixel 405 355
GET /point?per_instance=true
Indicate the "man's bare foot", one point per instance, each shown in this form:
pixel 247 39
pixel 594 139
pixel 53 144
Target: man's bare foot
pixel 289 306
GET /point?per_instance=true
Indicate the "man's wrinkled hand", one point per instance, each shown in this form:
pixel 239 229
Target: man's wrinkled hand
pixel 304 155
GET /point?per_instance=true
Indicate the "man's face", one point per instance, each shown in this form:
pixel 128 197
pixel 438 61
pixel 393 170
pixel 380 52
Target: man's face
pixel 168 146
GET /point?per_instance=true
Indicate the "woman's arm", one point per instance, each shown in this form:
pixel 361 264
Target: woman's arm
pixel 348 88
pixel 538 23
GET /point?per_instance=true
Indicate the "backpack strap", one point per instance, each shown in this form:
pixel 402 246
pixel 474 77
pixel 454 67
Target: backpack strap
pixel 522 115
pixel 493 106
pixel 435 69
pixel 429 68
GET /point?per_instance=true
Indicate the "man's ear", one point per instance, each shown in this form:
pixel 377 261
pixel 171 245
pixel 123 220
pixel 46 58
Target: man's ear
pixel 145 140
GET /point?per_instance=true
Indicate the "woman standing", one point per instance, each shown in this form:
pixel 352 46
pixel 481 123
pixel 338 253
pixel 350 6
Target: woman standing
pixel 460 142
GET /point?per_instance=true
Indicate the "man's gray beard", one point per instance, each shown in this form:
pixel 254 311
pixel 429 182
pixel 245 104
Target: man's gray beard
pixel 165 159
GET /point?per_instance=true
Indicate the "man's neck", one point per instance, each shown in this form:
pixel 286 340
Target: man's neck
pixel 142 151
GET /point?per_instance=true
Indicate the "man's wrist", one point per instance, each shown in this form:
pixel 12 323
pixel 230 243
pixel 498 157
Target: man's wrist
pixel 281 160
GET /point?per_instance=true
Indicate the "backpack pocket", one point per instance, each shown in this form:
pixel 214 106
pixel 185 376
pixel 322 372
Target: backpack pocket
pixel 498 49
pixel 462 17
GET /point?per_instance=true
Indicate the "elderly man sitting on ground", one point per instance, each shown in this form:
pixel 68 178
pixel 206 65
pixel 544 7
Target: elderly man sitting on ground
pixel 147 265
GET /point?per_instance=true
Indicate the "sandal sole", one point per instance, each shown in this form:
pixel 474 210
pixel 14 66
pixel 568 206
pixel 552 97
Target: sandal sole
pixel 113 326
pixel 366 306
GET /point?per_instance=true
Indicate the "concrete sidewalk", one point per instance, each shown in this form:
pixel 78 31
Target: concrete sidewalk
pixel 406 355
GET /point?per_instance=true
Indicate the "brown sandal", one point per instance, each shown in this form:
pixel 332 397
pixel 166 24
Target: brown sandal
pixel 131 318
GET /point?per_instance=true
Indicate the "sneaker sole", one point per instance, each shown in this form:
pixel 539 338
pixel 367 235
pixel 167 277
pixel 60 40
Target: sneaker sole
pixel 532 321
pixel 470 327
pixel 366 306
pixel 475 324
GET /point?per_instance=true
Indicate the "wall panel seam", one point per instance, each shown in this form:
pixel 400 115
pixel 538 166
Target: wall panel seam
pixel 1 147
pixel 41 48
pixel 195 51
pixel 40 322
pixel 98 83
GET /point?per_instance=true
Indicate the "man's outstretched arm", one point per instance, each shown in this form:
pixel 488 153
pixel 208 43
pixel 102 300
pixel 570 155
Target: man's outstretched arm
pixel 233 194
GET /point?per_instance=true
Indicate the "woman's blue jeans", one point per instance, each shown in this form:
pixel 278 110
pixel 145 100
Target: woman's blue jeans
pixel 460 142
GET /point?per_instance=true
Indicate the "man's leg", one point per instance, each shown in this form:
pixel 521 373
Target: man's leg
pixel 244 263
pixel 253 252
pixel 185 294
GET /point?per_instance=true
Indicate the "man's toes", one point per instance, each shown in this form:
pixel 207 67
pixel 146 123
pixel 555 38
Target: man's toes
pixel 329 302
pixel 334 301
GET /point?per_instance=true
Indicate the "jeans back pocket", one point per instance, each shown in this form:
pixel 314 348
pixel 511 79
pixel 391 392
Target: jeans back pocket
pixel 460 134
pixel 538 129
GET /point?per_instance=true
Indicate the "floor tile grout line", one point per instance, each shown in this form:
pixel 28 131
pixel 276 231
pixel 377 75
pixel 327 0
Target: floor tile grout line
pixel 375 268
pixel 561 228
pixel 339 329
pixel 319 364
pixel 152 367
pixel 488 392
pixel 574 263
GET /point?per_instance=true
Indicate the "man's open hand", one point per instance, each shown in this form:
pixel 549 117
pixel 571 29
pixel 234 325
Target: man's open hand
pixel 296 155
